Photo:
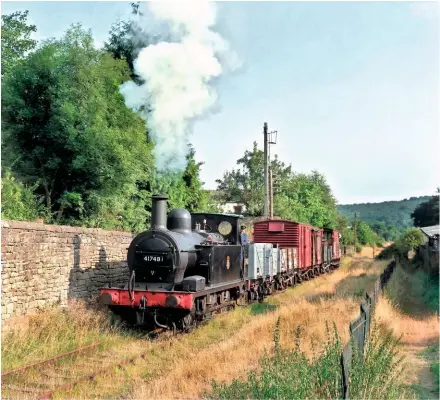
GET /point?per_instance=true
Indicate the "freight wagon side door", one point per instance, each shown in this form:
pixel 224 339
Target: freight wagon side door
pixel 336 253
pixel 305 247
pixel 319 247
pixel 316 247
pixel 308 247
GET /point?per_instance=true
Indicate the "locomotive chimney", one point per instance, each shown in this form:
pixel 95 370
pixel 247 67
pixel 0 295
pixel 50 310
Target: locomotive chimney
pixel 159 212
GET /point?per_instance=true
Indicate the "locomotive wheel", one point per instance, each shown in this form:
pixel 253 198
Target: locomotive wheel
pixel 188 323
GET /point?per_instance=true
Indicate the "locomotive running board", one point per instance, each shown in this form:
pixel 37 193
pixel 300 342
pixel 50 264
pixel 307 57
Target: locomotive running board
pixel 213 289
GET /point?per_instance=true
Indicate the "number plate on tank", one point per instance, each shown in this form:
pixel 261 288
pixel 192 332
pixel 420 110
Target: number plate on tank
pixel 153 258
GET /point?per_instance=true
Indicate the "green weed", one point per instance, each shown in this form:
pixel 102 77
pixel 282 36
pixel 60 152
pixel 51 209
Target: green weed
pixel 289 374
pixel 376 375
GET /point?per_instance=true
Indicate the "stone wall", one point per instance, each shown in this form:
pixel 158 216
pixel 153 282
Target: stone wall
pixel 45 265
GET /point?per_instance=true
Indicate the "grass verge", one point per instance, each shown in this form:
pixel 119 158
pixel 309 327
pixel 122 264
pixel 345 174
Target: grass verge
pixel 291 374
pixel 58 331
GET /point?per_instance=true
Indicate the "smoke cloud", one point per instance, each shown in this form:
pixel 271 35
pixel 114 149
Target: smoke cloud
pixel 177 77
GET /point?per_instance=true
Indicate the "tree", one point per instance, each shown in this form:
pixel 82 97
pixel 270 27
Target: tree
pixel 301 197
pixel 127 38
pixel 427 213
pixel 67 123
pixel 16 39
pixel 246 184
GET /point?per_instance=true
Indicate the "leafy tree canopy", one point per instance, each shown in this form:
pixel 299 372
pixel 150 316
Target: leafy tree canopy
pixel 300 197
pixel 16 39
pixel 427 213
pixel 69 139
pixel 65 120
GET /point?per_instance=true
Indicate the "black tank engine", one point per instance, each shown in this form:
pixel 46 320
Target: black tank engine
pixel 184 267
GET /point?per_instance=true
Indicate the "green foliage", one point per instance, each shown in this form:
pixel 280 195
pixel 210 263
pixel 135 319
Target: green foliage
pixel 410 240
pixel 67 132
pixel 263 308
pixel 19 201
pixel 388 219
pixel 366 236
pixel 68 125
pixel 377 375
pixel 127 38
pixel 413 291
pixel 288 374
pixel 16 39
pixel 300 197
pixel 427 213
pixel 435 368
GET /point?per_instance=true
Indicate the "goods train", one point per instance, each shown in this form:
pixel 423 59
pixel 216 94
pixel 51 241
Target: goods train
pixel 188 266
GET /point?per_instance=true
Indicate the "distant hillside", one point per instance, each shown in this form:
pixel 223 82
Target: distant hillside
pixel 389 218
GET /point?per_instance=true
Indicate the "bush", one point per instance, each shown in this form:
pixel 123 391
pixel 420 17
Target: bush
pixel 19 202
pixel 358 248
pixel 410 240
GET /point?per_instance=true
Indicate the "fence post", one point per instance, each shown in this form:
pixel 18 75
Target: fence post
pixel 366 310
pixel 346 359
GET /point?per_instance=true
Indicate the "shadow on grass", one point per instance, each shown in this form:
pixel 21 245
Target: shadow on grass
pixel 262 308
pixel 356 286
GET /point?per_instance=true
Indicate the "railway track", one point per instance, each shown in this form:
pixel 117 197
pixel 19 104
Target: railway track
pixel 41 380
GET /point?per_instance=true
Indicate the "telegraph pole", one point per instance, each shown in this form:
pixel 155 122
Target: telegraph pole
pixel 269 138
pixel 266 172
pixel 355 229
pixel 271 193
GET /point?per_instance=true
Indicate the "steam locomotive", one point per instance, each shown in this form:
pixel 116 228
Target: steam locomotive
pixel 191 265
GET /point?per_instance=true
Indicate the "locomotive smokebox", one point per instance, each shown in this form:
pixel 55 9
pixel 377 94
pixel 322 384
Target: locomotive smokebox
pixel 159 212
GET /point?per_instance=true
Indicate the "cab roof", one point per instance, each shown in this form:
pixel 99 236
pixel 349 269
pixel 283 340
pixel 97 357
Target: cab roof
pixel 222 214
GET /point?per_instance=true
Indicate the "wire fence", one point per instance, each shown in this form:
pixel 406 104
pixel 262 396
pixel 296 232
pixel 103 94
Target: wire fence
pixel 360 327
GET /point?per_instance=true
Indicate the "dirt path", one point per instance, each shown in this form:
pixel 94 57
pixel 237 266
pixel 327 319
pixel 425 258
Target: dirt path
pixel 418 328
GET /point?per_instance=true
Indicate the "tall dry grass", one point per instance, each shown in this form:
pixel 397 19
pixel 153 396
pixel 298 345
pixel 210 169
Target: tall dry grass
pixel 55 331
pixel 332 298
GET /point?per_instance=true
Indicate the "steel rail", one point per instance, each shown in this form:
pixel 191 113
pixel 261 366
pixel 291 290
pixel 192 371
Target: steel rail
pixel 49 394
pixel 49 360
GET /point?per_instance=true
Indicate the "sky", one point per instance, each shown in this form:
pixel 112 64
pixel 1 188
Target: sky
pixel 352 88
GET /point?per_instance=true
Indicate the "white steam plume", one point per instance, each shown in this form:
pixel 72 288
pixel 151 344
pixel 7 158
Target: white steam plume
pixel 177 77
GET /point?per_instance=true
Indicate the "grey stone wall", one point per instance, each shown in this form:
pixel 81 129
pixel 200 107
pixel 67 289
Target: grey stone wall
pixel 46 265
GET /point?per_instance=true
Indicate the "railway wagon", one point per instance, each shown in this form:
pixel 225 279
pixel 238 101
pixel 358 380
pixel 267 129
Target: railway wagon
pixel 306 251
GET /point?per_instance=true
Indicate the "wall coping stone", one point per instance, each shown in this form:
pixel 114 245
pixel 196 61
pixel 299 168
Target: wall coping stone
pixel 36 226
